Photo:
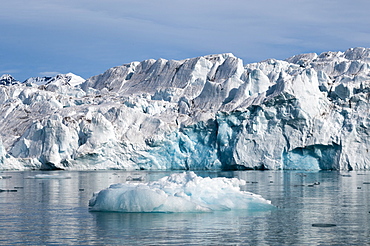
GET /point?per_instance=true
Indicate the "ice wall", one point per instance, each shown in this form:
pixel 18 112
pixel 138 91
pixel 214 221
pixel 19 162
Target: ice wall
pixel 307 112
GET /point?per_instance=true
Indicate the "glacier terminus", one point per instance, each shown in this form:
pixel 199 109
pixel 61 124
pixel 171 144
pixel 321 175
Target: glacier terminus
pixel 310 112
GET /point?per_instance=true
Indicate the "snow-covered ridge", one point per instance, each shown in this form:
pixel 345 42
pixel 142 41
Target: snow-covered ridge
pixel 7 79
pixel 60 79
pixel 308 112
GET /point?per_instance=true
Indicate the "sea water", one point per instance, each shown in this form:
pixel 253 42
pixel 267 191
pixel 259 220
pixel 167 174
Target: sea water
pixel 312 208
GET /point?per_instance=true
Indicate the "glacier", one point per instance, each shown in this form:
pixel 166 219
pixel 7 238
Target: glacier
pixel 310 112
pixel 179 192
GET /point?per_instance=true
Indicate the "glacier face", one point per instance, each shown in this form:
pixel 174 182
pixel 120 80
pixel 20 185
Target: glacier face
pixel 307 112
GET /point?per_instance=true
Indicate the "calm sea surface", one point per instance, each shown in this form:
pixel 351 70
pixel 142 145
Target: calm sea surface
pixel 313 208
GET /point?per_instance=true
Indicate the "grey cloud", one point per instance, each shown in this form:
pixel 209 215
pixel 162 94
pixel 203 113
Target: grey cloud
pixel 112 32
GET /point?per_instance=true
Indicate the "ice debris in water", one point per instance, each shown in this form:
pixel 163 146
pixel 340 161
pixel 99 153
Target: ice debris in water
pixel 5 177
pixel 179 192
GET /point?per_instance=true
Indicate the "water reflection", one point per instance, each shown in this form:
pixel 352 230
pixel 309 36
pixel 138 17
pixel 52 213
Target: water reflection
pixel 181 228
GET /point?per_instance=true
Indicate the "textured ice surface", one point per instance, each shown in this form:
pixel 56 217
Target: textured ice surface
pixel 308 112
pixel 183 192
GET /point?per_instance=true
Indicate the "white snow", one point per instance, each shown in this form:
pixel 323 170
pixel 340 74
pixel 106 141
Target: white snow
pixel 60 79
pixel 7 79
pixel 310 111
pixel 179 192
pixel 74 79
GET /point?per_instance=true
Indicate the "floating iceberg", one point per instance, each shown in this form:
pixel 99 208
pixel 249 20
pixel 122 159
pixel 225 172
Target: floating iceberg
pixel 179 192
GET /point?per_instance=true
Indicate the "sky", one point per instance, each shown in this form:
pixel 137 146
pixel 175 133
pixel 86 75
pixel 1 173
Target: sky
pixel 87 37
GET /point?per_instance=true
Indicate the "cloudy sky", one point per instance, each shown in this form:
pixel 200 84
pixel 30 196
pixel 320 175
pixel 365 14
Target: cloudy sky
pixel 86 37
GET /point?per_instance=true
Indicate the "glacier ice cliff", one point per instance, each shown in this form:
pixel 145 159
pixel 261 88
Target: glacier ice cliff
pixel 309 111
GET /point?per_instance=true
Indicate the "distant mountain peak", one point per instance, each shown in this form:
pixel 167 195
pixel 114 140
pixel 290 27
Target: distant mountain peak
pixel 7 79
pixel 60 79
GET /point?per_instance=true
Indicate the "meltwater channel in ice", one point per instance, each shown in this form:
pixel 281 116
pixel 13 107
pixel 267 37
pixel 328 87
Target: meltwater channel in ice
pixel 179 192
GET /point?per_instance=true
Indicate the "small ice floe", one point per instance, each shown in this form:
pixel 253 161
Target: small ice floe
pixel 49 176
pixel 137 178
pixel 180 192
pixel 5 177
pixel 312 185
pixel 1 190
pixel 323 225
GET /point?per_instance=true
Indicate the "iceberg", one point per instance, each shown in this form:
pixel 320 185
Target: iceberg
pixel 179 192
pixel 310 111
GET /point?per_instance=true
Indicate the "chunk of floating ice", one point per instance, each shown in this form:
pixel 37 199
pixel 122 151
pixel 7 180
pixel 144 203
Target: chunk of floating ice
pixel 5 177
pixel 129 178
pixel 48 176
pixel 181 192
pixel 323 225
pixel 1 190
